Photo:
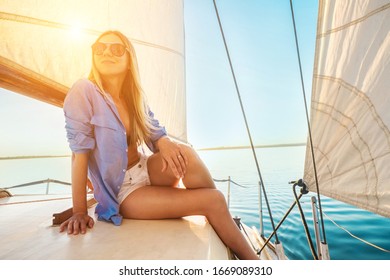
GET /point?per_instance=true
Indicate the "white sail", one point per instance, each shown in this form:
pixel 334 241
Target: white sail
pixel 350 105
pixel 45 48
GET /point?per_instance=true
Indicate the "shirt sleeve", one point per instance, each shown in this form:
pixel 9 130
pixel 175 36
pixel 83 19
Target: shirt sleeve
pixel 158 131
pixel 78 113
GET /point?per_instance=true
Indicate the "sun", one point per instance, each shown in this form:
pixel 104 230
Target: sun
pixel 75 30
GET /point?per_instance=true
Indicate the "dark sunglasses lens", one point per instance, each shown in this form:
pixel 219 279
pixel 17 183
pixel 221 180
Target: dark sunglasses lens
pixel 117 49
pixel 98 48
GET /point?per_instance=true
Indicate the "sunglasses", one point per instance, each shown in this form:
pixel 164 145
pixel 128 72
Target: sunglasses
pixel 116 49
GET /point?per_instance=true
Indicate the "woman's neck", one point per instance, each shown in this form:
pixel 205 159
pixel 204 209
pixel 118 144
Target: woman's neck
pixel 113 86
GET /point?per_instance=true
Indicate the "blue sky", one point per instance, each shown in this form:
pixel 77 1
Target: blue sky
pixel 261 42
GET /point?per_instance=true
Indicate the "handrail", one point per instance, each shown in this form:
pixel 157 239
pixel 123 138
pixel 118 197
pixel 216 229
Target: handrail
pixel 48 181
pixel 37 183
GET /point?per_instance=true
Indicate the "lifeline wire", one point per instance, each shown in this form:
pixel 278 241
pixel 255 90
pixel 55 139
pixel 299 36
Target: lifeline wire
pixel 246 122
pixel 308 124
pixel 356 237
pixel 231 181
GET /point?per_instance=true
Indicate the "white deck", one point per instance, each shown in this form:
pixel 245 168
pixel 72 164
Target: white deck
pixel 26 232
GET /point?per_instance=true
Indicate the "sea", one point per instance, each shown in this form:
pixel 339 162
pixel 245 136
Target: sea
pixel 351 233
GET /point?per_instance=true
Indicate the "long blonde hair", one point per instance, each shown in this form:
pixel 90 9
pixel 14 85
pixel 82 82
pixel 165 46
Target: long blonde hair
pixel 140 122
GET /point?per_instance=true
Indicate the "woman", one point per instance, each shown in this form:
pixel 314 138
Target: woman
pixel 106 121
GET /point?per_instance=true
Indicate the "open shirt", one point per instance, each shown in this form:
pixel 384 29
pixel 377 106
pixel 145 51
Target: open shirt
pixel 93 126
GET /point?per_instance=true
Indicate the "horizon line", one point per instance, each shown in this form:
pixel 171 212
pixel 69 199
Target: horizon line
pixel 31 157
pixel 249 147
pixel 198 149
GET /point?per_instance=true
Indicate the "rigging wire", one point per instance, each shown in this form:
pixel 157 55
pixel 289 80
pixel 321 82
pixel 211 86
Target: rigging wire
pixel 280 223
pixel 308 122
pixel 246 122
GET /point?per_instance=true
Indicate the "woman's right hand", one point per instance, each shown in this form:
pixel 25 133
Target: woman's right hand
pixel 78 223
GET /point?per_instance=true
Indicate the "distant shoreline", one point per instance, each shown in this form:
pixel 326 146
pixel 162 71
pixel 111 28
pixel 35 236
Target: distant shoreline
pixel 249 147
pixel 199 149
pixel 32 157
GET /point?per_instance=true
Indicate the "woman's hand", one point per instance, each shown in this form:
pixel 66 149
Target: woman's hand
pixel 78 223
pixel 173 156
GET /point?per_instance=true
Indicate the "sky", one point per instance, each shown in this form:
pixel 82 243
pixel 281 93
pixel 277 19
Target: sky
pixel 260 39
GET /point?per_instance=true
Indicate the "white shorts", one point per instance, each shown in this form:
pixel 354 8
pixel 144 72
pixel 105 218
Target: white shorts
pixel 135 178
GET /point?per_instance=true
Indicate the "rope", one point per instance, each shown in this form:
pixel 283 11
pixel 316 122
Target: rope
pixel 308 122
pixel 245 119
pixel 356 237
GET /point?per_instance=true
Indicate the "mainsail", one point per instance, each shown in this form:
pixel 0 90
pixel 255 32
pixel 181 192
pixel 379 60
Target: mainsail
pixel 45 48
pixel 350 104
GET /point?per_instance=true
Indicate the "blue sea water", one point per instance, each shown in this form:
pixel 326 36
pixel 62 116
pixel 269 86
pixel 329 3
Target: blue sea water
pixel 278 166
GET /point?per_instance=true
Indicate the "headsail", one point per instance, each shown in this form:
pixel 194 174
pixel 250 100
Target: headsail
pixel 350 105
pixel 45 48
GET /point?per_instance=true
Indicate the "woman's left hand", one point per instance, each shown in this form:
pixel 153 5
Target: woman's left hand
pixel 173 156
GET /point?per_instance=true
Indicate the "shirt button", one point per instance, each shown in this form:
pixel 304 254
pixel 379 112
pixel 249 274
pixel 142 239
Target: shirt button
pixel 124 170
pixel 119 187
pixel 127 150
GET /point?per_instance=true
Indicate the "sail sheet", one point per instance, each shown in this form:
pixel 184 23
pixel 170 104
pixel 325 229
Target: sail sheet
pixel 350 104
pixel 45 48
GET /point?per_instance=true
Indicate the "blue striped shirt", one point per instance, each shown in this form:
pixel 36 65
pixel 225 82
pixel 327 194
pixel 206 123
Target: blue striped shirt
pixel 93 126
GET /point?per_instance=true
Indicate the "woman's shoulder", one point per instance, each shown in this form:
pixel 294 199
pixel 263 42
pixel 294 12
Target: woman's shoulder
pixel 83 84
pixel 83 91
pixel 82 88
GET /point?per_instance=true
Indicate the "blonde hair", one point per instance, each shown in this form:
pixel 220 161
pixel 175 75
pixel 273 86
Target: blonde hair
pixel 140 121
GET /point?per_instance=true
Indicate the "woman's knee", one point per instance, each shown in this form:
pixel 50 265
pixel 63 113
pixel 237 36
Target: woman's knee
pixel 197 175
pixel 216 202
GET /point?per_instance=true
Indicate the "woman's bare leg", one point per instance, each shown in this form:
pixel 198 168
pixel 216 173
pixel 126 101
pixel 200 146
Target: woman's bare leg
pixel 199 198
pixel 196 176
pixel 156 202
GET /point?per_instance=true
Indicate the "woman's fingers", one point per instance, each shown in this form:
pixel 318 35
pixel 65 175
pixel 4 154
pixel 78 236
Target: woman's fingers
pixel 77 224
pixel 64 225
pixel 91 223
pixel 182 162
pixel 175 167
pixel 174 157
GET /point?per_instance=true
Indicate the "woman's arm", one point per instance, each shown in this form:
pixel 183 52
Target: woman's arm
pixel 80 219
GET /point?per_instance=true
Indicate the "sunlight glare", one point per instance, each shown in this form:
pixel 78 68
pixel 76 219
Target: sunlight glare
pixel 75 31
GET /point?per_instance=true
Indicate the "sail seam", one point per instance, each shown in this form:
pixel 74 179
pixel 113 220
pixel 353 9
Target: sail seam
pixel 360 94
pixel 52 24
pixel 352 168
pixel 346 199
pixel 355 145
pixel 331 111
pixel 354 22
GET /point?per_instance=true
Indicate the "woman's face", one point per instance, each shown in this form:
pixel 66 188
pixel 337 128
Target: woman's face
pixel 110 56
